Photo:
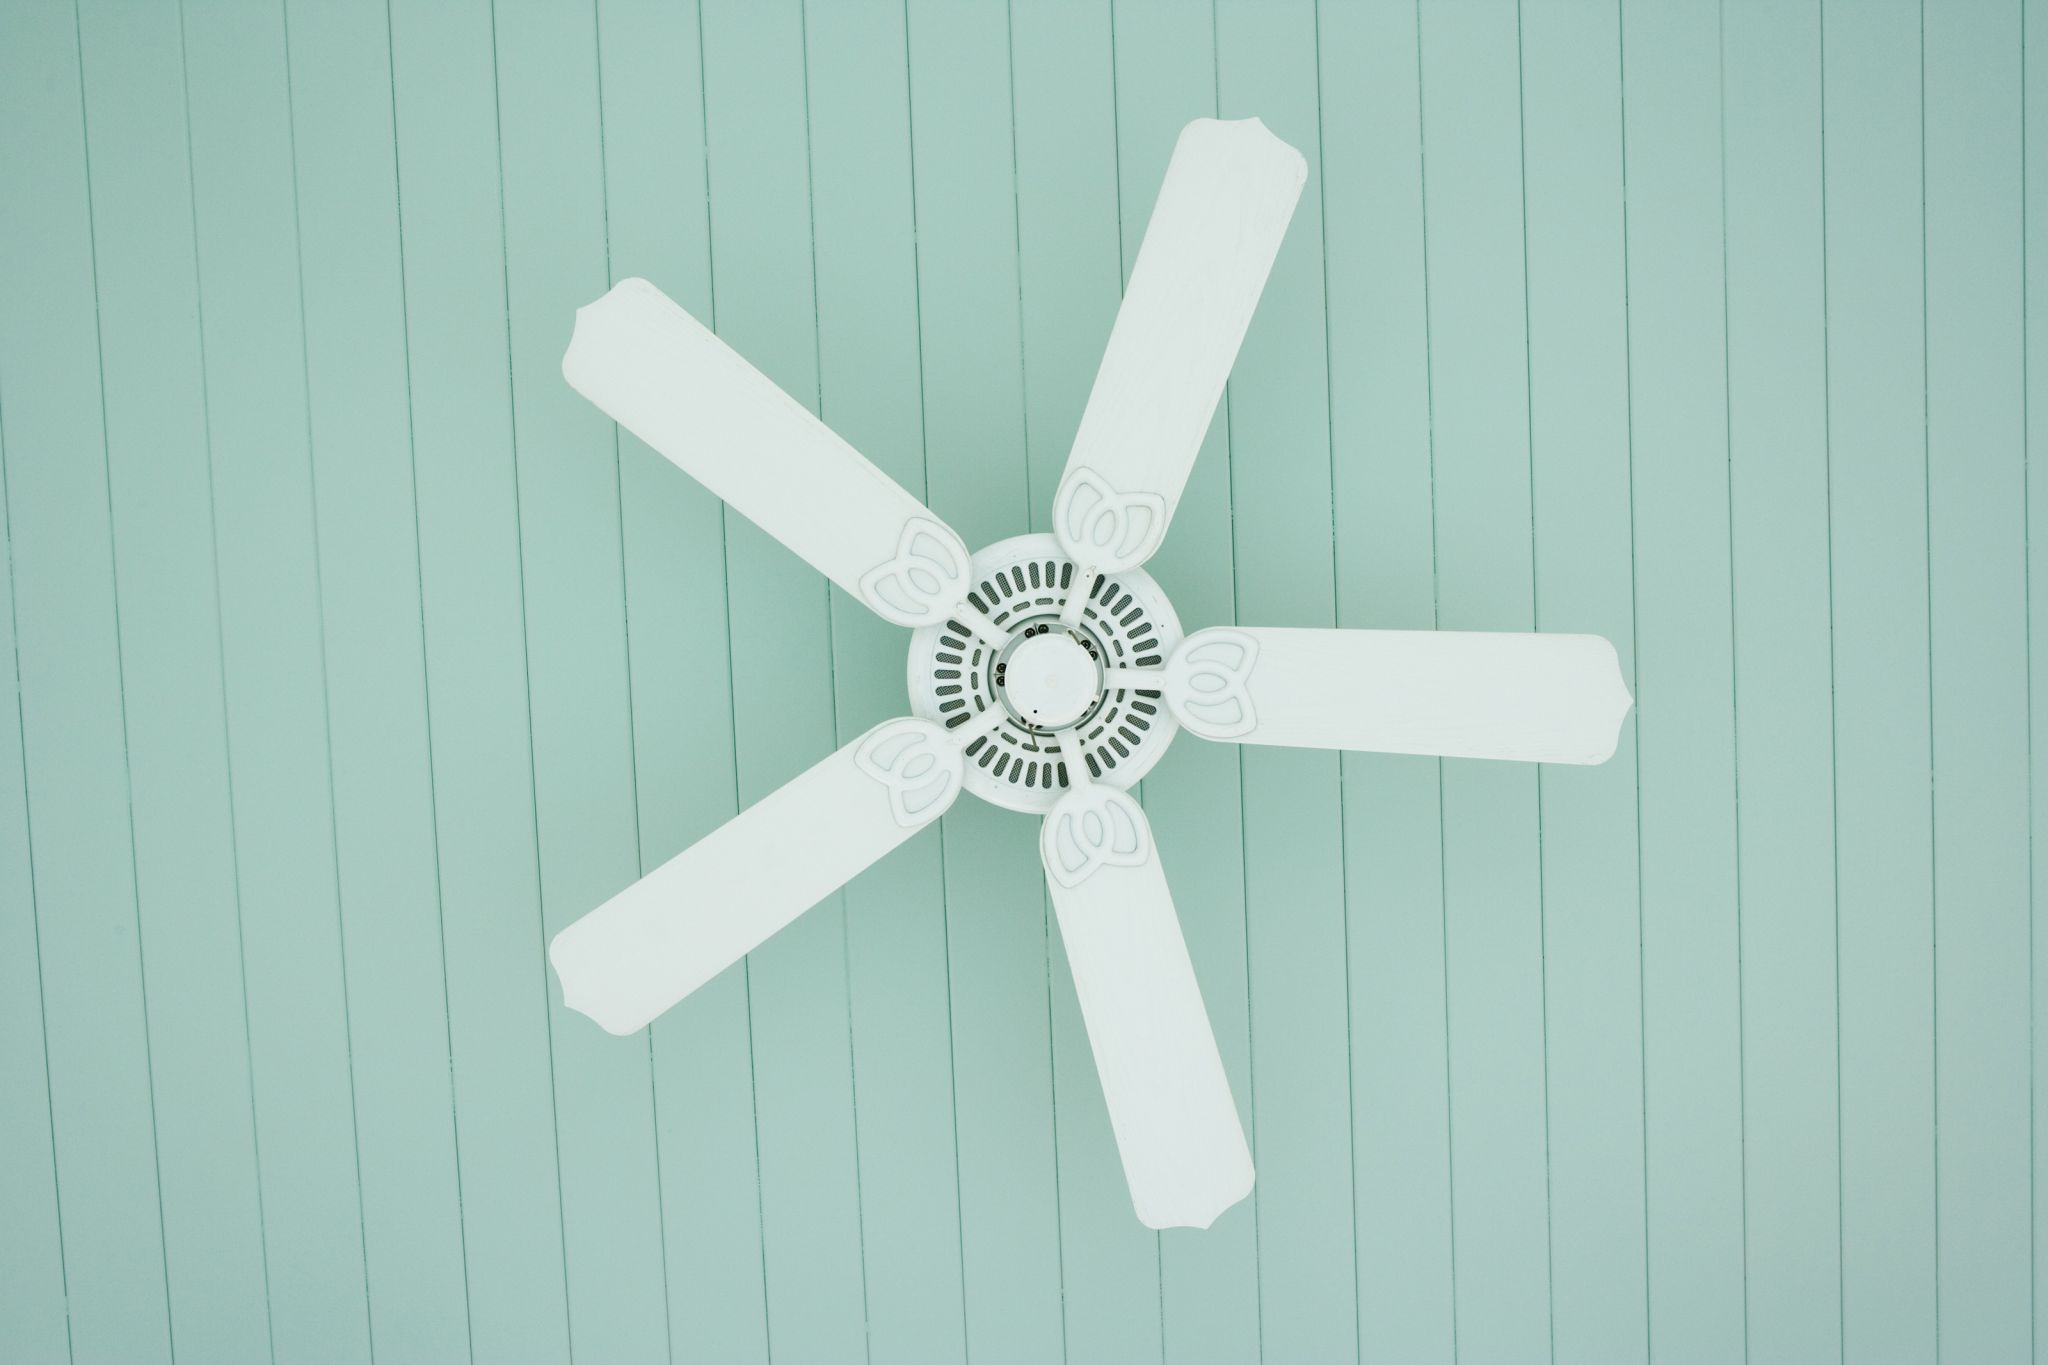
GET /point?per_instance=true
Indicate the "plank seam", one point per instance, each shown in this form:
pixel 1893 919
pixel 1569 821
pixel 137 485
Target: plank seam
pixel 1337 619
pixel 1536 623
pixel 121 685
pixel 526 658
pixel 326 685
pixel 1243 820
pixel 1635 662
pixel 945 901
pixel 732 702
pixel 1436 623
pixel 1052 1071
pixel 832 683
pixel 1834 740
pixel 35 904
pixel 220 654
pixel 1734 666
pixel 626 646
pixel 426 680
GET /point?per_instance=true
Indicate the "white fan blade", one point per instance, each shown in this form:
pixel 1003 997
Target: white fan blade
pixel 1183 1151
pixel 1459 694
pixel 666 378
pixel 704 909
pixel 1229 193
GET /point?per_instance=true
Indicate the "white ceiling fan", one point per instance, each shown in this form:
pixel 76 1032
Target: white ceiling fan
pixel 1048 673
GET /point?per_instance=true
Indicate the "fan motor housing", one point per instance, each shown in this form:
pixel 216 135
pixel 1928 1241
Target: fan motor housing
pixel 1048 678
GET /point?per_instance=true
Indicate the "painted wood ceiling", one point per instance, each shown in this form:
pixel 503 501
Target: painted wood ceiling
pixel 349 654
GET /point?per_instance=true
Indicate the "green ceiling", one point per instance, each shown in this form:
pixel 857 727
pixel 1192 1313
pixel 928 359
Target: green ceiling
pixel 352 654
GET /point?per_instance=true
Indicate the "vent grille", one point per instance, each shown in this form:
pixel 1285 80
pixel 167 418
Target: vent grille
pixel 1126 623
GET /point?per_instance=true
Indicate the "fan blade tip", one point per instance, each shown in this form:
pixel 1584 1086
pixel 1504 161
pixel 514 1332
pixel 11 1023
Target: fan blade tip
pixel 617 1025
pixel 631 286
pixel 1251 129
pixel 577 365
pixel 583 329
pixel 1617 700
pixel 561 958
pixel 1197 1215
pixel 1253 133
pixel 572 971
pixel 1593 758
pixel 1608 704
pixel 596 1008
pixel 573 352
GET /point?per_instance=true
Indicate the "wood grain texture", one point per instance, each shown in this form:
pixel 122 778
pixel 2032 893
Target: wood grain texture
pixel 346 653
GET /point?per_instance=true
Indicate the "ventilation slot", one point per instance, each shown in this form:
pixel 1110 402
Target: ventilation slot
pixel 1123 623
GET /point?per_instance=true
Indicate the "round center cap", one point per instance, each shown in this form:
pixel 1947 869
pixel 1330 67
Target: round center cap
pixel 1050 680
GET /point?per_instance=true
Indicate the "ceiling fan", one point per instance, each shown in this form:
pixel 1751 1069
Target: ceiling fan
pixel 1048 673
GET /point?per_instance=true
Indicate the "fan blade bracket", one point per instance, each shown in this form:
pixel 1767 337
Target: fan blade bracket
pixel 924 582
pixel 1103 527
pixel 668 379
pixel 1208 683
pixel 1091 828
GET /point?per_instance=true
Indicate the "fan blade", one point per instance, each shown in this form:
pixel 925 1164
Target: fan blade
pixel 1225 204
pixel 663 376
pixel 704 909
pixel 1169 1102
pixel 1460 694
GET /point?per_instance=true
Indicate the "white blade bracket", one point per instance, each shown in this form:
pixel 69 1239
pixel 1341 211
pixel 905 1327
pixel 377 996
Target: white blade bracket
pixel 661 938
pixel 1229 193
pixel 1183 1150
pixel 1538 698
pixel 666 378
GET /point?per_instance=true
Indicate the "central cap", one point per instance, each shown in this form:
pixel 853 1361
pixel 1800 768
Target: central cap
pixel 1050 680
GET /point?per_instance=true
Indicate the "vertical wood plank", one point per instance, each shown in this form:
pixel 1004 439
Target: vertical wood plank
pixel 451 225
pixel 32 1272
pixel 998 929
pixel 657 219
pixel 71 710
pixel 1479 406
pixel 279 741
pixel 766 292
pixel 1383 489
pixel 898 975
pixel 2034 351
pixel 1685 706
pixel 1883 767
pixel 1070 268
pixel 161 504
pixel 1294 876
pixel 1581 492
pixel 550 122
pixel 1069 233
pixel 346 183
pixel 1165 76
pixel 1977 606
pixel 1778 510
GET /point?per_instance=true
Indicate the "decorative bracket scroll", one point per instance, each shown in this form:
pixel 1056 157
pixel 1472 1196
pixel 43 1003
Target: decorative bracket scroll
pixel 1207 684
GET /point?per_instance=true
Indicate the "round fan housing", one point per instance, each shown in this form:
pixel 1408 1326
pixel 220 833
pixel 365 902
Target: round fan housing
pixel 1048 677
